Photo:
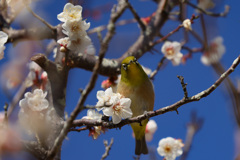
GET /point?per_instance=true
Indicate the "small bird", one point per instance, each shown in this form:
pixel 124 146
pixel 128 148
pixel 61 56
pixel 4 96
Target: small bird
pixel 136 85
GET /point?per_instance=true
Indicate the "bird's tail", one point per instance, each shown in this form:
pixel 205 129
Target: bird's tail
pixel 139 132
pixel 141 146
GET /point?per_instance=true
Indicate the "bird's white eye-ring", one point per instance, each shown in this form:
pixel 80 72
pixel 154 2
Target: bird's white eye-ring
pixel 124 66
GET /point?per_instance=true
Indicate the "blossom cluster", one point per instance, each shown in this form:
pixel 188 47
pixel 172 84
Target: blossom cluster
pixel 114 105
pixel 74 27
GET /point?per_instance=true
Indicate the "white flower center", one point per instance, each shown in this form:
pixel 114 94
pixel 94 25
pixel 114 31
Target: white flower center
pixel 117 107
pixel 167 149
pixel 170 51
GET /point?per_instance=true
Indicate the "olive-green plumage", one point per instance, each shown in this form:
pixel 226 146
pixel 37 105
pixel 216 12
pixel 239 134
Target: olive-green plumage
pixel 136 85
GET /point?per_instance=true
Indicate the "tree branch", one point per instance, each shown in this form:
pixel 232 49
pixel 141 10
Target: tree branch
pixel 173 107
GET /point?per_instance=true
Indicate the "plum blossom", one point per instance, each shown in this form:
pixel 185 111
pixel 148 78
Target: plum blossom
pixel 120 108
pixel 70 12
pixel 187 24
pixel 90 50
pixel 35 101
pixel 75 29
pixel 36 76
pixel 79 45
pixel 96 130
pixel 205 4
pixel 33 112
pixel 170 148
pixel 3 40
pixel 104 97
pixel 171 51
pixel 214 53
pixel 114 105
pixel 150 130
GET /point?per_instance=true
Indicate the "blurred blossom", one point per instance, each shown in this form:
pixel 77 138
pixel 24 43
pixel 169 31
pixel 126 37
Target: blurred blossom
pixel 3 40
pixel 187 24
pixel 17 5
pixel 34 108
pixel 90 50
pixel 36 76
pixel 111 82
pixel 205 4
pixel 170 148
pixel 70 12
pixel 9 139
pixel 12 74
pixel 171 51
pixel 214 52
pixel 35 101
pixel 96 130
pixel 150 130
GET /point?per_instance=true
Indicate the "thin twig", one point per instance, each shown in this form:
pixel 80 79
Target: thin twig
pixel 107 148
pixel 154 73
pixel 222 14
pixel 79 129
pixel 192 128
pixel 41 19
pixel 205 44
pixel 173 107
pixel 137 17
pixel 171 33
pixel 16 98
pixel 103 27
pixel 184 86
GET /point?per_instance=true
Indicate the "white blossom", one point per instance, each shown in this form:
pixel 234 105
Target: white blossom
pixel 90 50
pixel 214 53
pixel 35 101
pixel 120 108
pixel 80 44
pixel 187 24
pixel 205 4
pixel 3 40
pixel 151 128
pixel 170 148
pixel 94 115
pixel 70 12
pixel 171 50
pixel 75 29
pixel 63 41
pixel 104 97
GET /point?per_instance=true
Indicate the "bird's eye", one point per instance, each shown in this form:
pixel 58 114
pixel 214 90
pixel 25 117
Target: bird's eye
pixel 124 66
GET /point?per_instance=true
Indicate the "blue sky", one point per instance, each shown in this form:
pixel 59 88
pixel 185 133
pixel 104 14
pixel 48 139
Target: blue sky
pixel 216 138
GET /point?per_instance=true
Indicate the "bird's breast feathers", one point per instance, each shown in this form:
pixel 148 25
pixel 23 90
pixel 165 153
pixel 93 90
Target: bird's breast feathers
pixel 142 96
